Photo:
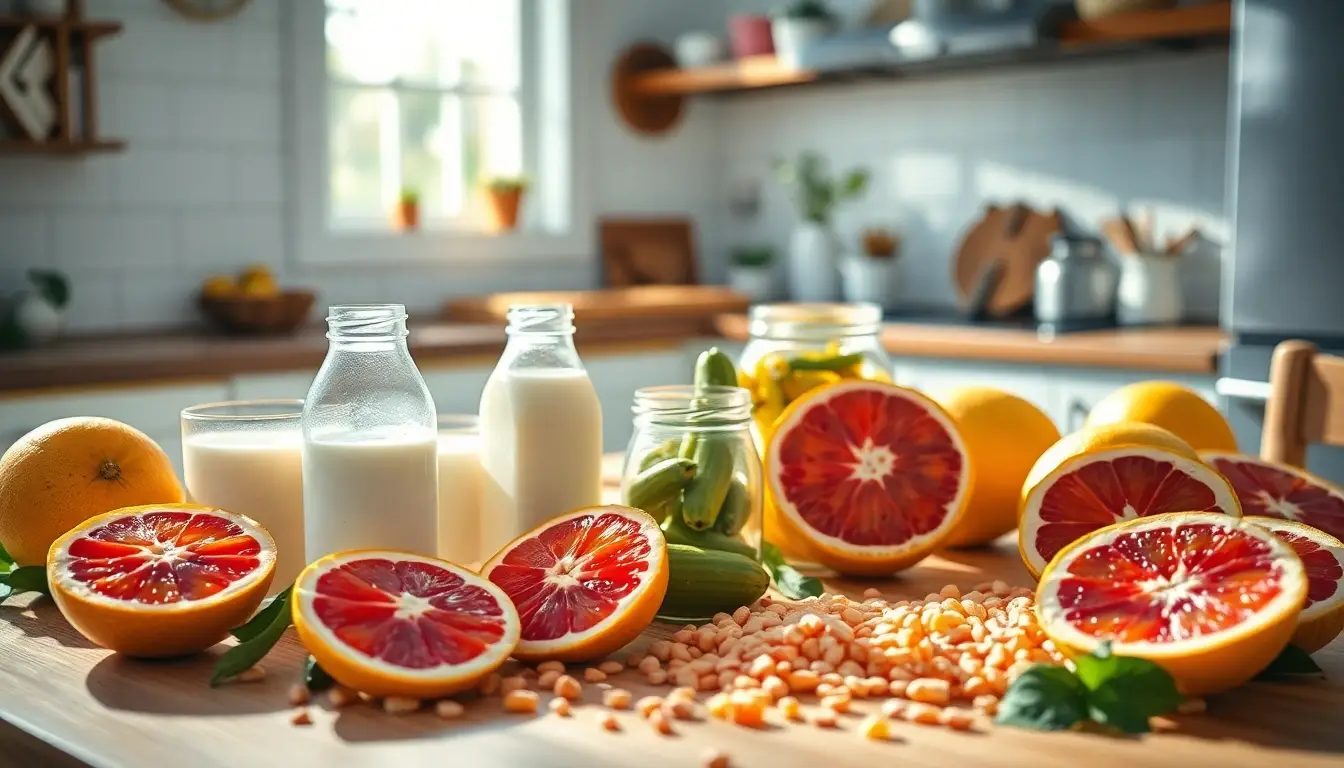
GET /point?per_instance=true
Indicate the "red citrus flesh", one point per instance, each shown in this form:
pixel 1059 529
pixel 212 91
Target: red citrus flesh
pixel 571 576
pixel 1273 491
pixel 366 604
pixel 870 468
pixel 1322 566
pixel 1103 492
pixel 1169 584
pixel 163 557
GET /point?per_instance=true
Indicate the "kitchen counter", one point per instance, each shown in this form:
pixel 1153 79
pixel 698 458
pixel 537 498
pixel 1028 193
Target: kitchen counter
pixel 1185 349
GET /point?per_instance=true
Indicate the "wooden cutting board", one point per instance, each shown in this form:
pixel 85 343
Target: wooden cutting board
pixel 649 302
pixel 1016 238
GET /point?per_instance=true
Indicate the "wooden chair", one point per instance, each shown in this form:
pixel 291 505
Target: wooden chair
pixel 1306 403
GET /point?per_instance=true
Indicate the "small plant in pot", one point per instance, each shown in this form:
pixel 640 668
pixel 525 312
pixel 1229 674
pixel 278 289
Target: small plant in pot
pixel 867 275
pixel 505 194
pixel 752 272
pixel 797 24
pixel 406 217
pixel 814 250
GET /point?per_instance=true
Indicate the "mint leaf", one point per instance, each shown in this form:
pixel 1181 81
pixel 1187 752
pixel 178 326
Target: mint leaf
pixel 1124 691
pixel 5 559
pixel 263 618
pixel 788 580
pixel 53 285
pixel 1291 662
pixel 27 578
pixel 1044 698
pixel 315 677
pixel 260 642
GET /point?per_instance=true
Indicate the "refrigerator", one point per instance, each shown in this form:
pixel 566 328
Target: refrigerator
pixel 1286 201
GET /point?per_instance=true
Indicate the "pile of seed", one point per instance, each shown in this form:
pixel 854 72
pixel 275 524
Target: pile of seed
pixel 944 660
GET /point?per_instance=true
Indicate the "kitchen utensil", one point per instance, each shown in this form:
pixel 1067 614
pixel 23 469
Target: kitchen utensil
pixel 1149 292
pixel 648 252
pixel 1143 224
pixel 1076 284
pixel 697 49
pixel 1017 236
pixel 1179 245
pixel 259 314
pixel 990 277
pixel 1121 234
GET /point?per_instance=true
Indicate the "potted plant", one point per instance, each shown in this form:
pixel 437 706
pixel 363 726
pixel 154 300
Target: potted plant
pixel 506 198
pixel 867 274
pixel 752 272
pixel 407 215
pixel 797 24
pixel 35 316
pixel 813 270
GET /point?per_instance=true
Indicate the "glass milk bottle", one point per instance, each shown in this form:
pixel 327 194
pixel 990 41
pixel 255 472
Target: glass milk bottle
pixel 541 428
pixel 370 440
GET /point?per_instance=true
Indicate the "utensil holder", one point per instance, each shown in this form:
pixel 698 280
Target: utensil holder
pixel 1149 292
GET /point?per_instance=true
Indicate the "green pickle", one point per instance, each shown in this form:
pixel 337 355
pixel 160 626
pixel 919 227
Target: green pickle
pixel 828 363
pixel 658 485
pixel 736 509
pixel 676 531
pixel 664 450
pixel 708 489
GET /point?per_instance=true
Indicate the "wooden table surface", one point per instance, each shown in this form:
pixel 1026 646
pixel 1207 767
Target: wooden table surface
pixel 99 709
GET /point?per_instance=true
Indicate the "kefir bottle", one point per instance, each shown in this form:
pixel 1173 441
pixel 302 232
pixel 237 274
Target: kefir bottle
pixel 541 428
pixel 370 440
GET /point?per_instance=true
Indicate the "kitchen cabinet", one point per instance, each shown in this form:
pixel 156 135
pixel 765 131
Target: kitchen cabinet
pixel 616 377
pixel 155 410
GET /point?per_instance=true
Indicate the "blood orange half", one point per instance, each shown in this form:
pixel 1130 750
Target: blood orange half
pixel 1323 556
pixel 1210 598
pixel 396 624
pixel 865 477
pixel 585 583
pixel 1102 475
pixel 1277 490
pixel 160 580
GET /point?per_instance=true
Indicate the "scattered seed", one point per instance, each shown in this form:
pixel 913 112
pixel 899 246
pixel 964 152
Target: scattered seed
pixel 568 688
pixel 648 705
pixel 339 696
pixel 824 718
pixel 956 719
pixel 560 706
pixel 449 709
pixel 872 594
pixel 713 758
pixel 298 695
pixel 521 701
pixel 790 708
pixel 661 723
pixel 400 705
pixel 875 727
pixel 617 698
pixel 594 675
pixel 1193 707
pixel 489 685
pixel 648 664
pixel 608 721
pixel 551 666
pixel 301 717
pixel 611 667
pixel 510 684
pixel 656 677
pixel 546 680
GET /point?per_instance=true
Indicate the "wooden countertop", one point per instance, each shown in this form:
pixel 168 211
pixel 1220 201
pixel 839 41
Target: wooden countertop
pixel 67 703
pixel 1183 349
pixel 144 358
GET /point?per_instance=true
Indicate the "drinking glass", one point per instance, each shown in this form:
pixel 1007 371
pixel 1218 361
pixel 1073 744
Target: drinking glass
pixel 460 489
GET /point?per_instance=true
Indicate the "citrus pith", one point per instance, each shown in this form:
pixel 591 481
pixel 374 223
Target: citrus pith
pixel 1322 556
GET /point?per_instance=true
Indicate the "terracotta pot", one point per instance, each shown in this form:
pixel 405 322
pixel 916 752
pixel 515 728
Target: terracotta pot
pixel 750 35
pixel 504 205
pixel 406 217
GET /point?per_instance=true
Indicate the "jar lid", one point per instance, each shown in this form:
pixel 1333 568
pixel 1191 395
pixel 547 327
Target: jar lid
pixel 811 322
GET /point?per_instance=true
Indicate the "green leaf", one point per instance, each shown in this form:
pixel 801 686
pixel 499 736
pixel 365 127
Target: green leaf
pixel 315 677
pixel 854 183
pixel 247 653
pixel 27 578
pixel 264 618
pixel 788 580
pixel 1044 698
pixel 1123 691
pixel 1291 662
pixel 5 559
pixel 53 285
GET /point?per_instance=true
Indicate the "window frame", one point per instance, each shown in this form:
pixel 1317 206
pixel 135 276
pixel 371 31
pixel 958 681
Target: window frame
pixel 559 200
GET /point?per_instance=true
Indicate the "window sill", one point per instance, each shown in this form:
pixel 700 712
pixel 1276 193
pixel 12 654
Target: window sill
pixel 447 248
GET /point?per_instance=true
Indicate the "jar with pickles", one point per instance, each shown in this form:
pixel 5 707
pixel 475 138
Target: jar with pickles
pixel 795 348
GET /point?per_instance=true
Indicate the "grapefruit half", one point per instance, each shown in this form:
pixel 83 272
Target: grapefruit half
pixel 865 477
pixel 1209 597
pixel 160 580
pixel 1323 556
pixel 397 624
pixel 585 583
pixel 1110 474
pixel 1277 490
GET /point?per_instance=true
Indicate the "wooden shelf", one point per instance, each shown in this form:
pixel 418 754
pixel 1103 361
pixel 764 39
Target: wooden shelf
pixel 643 81
pixel 88 29
pixel 58 147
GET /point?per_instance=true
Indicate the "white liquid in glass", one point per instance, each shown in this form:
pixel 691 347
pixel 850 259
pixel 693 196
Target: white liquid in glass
pixel 460 498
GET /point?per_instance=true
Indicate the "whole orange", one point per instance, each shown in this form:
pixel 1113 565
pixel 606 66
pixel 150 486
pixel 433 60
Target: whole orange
pixel 69 470
pixel 1174 407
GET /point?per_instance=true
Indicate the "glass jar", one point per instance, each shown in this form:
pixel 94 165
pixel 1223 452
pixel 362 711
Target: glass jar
pixel 370 440
pixel 541 428
pixel 460 489
pixel 796 347
pixel 693 466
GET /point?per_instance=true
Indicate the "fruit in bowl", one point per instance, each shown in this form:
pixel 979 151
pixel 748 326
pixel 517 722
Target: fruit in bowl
pixel 253 302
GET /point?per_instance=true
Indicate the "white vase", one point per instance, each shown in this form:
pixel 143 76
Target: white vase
pixel 814 274
pixel 791 35
pixel 758 283
pixel 41 321
pixel 867 279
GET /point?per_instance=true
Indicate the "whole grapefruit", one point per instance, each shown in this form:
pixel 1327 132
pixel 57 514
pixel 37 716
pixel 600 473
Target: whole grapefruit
pixel 68 470
pixel 1174 407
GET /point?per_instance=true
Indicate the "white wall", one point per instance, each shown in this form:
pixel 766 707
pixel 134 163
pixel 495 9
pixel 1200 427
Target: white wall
pixel 201 187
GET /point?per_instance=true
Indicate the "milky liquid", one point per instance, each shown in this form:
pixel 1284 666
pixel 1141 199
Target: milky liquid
pixel 257 474
pixel 541 450
pixel 371 492
pixel 460 498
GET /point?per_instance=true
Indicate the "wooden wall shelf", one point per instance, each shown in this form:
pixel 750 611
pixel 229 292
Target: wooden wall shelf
pixel 72 41
pixel 648 78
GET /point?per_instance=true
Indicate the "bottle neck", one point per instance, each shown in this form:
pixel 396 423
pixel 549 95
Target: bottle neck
pixel 367 327
pixel 541 336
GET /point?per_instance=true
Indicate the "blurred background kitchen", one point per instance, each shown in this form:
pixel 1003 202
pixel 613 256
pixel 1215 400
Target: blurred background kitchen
pixel 1038 193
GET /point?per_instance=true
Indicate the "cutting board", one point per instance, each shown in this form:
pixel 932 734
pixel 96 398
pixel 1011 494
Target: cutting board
pixel 649 302
pixel 1009 240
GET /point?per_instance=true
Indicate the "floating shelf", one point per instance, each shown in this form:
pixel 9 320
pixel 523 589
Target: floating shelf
pixel 58 147
pixel 650 90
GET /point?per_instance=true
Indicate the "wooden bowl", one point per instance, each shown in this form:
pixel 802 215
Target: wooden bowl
pixel 259 315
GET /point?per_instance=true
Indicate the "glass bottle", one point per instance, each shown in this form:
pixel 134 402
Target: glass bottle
pixel 541 428
pixel 833 341
pixel 712 426
pixel 370 440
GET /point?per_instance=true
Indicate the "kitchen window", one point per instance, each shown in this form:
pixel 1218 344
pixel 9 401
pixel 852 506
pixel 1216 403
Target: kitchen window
pixel 434 96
